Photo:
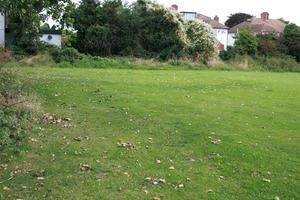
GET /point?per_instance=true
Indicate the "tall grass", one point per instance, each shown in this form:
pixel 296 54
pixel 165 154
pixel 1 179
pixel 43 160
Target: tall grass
pixel 18 110
pixel 71 58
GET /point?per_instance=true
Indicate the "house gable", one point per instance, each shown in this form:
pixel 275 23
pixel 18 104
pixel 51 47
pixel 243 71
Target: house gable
pixel 261 25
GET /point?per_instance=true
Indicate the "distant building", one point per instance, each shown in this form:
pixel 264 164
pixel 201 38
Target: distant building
pixel 51 37
pixel 2 30
pixel 220 30
pixel 260 26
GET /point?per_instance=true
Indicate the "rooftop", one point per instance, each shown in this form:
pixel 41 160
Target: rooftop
pixel 261 25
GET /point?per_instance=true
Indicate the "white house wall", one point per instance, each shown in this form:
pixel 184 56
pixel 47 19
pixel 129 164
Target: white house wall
pixel 222 36
pixel 2 31
pixel 55 39
pixel 231 39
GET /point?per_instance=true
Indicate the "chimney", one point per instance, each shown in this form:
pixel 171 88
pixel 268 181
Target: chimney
pixel 264 16
pixel 216 18
pixel 174 7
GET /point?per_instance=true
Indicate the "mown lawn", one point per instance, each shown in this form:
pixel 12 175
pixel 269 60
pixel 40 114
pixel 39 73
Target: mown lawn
pixel 209 134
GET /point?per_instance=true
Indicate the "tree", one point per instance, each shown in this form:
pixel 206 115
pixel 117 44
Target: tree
pixel 271 45
pixel 24 19
pixel 291 38
pixel 235 19
pixel 202 41
pixel 161 31
pixel 142 29
pixel 246 42
pixel 103 28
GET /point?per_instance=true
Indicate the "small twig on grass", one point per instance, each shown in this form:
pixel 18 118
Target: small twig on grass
pixel 6 105
pixel 7 180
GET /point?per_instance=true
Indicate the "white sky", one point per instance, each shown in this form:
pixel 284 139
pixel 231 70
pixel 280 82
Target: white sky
pixel 288 9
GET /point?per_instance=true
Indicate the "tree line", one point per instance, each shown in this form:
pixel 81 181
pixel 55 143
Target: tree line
pixel 110 27
pixel 142 29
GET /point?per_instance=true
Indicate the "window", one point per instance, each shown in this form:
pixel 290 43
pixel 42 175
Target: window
pixel 189 15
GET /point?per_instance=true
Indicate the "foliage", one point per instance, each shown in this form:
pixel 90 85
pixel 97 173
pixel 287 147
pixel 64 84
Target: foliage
pixel 245 42
pixel 144 29
pixel 66 54
pixel 271 45
pixel 202 41
pixel 5 55
pixel 291 38
pixel 227 54
pixel 24 19
pixel 16 110
pixel 235 19
pixel 277 63
pixel 161 31
pixel 68 38
pixel 266 45
pixel 102 28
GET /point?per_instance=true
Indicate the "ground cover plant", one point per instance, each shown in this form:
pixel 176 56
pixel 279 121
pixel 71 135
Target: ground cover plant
pixel 159 134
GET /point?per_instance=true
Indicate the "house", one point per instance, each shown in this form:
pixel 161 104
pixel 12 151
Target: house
pixel 2 30
pixel 260 26
pixel 51 37
pixel 220 30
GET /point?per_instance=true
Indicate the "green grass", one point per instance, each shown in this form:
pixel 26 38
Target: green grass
pixel 254 114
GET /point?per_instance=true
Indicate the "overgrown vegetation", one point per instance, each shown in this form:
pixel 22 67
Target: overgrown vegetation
pixel 24 18
pixel 18 110
pixel 291 38
pixel 143 29
pixel 271 52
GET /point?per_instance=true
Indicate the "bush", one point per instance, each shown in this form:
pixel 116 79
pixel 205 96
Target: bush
pixel 271 45
pixel 5 54
pixel 227 54
pixel 278 64
pixel 17 110
pixel 160 31
pixel 202 42
pixel 281 63
pixel 66 54
pixel 291 38
pixel 103 28
pixel 246 42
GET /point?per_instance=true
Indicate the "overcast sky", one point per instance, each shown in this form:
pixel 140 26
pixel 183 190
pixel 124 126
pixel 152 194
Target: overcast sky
pixel 288 9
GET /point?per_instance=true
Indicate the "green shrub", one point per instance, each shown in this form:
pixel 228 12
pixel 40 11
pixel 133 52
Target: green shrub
pixel 291 38
pixel 278 64
pixel 281 63
pixel 66 54
pixel 160 31
pixel 17 110
pixel 227 54
pixel 202 41
pixel 245 42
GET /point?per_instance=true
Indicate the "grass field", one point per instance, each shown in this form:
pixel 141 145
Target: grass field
pixel 208 134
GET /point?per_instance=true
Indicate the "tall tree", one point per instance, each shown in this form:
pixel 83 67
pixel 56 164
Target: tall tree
pixel 291 38
pixel 235 19
pixel 103 28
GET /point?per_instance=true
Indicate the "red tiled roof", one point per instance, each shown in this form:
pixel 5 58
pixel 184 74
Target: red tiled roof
pixel 260 26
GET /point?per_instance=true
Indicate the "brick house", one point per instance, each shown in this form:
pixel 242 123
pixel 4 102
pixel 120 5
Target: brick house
pixel 260 26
